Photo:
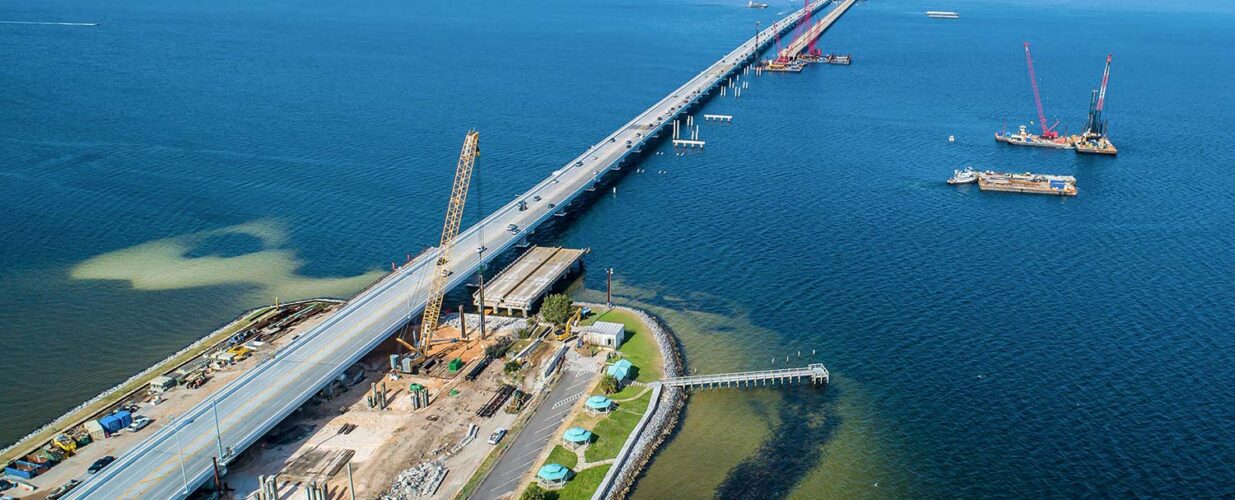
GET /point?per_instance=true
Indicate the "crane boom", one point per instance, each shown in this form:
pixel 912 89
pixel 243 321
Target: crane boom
pixel 1106 76
pixel 1037 99
pixel 454 217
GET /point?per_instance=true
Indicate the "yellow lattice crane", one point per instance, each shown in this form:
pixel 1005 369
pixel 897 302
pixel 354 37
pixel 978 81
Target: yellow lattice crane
pixel 454 216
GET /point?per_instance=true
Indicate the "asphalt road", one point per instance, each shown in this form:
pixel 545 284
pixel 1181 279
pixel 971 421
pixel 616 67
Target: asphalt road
pixel 520 459
pixel 177 458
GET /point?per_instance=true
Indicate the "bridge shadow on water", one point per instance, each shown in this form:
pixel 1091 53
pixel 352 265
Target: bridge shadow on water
pixel 808 420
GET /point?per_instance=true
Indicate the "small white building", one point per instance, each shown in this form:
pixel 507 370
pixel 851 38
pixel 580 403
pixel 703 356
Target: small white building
pixel 604 333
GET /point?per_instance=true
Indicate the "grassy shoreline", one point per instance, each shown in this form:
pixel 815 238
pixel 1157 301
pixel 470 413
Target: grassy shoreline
pixel 612 430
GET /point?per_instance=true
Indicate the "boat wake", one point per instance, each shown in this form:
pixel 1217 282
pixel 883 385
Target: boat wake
pixel 48 23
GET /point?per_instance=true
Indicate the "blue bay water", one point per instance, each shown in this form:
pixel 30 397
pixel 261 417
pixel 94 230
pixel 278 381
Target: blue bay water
pixel 982 344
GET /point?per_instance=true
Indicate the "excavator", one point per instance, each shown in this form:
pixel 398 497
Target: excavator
pixel 570 324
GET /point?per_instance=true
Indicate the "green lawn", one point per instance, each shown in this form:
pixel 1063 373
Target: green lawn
pixel 562 456
pixel 629 391
pixel 639 348
pixel 583 484
pixel 611 432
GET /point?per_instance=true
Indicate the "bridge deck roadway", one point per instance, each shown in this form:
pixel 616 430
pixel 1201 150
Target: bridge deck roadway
pixel 177 455
pixel 814 31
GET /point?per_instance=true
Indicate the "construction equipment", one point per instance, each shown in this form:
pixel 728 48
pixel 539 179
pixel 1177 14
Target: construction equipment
pixel 450 230
pixel 1047 132
pixel 240 352
pixel 570 324
pixel 1094 140
pixel 1096 126
pixel 64 442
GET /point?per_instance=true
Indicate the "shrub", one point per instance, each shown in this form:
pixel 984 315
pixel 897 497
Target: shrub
pixel 609 384
pixel 556 309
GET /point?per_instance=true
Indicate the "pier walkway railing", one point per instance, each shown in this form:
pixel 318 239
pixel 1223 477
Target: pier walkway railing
pixel 814 373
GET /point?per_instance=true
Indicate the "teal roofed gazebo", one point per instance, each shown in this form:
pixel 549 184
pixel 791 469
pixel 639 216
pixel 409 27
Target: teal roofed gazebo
pixel 621 370
pixel 552 475
pixel 599 404
pixel 577 437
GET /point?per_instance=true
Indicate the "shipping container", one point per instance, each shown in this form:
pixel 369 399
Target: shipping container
pixel 115 422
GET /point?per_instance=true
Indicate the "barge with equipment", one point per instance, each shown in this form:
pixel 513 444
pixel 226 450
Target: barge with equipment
pixel 1028 182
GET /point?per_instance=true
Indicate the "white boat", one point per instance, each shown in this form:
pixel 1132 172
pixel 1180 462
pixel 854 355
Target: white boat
pixel 967 176
pixel 942 14
pixel 756 5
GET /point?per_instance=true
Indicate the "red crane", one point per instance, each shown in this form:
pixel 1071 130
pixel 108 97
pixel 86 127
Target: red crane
pixel 1106 75
pixel 1047 132
pixel 804 25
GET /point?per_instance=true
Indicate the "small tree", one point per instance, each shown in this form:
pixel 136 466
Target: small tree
pixel 609 384
pixel 556 309
pixel 512 367
pixel 535 492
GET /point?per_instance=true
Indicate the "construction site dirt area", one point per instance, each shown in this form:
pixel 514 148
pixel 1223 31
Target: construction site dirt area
pixel 316 443
pixel 161 411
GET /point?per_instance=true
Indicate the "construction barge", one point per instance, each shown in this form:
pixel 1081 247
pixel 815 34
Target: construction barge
pixel 1028 182
pixel 1022 137
pixel 1095 146
pixel 1092 141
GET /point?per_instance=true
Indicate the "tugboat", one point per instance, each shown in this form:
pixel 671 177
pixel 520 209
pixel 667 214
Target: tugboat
pixel 967 176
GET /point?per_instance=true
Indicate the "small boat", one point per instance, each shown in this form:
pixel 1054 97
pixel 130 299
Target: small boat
pixel 967 176
pixel 942 14
pixel 951 138
pixel 756 5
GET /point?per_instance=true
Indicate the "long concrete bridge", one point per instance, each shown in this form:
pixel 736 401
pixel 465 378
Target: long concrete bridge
pixel 177 457
pixel 814 373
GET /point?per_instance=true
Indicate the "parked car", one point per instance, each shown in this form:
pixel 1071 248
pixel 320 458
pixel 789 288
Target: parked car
pixel 63 490
pixel 139 422
pixel 4 485
pixel 497 435
pixel 99 464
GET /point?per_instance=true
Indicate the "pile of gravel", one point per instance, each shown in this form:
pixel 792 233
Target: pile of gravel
pixel 419 481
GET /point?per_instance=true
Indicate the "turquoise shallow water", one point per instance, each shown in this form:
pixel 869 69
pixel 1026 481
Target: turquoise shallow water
pixel 224 154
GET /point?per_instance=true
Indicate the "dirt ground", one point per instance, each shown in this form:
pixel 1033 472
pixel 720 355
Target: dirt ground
pixel 175 402
pixel 384 442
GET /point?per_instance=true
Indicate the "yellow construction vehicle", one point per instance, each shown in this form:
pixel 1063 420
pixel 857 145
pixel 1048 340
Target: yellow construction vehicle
pixel 450 230
pixel 64 442
pixel 570 325
pixel 240 352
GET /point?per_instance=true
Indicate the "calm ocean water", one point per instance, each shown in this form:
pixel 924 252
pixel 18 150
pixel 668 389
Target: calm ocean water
pixel 183 161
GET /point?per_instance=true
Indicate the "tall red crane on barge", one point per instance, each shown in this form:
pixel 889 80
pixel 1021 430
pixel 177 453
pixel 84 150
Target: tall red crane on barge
pixel 1048 132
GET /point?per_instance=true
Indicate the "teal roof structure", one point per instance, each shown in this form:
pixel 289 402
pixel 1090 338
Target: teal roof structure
pixel 577 435
pixel 553 472
pixel 621 369
pixel 599 403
